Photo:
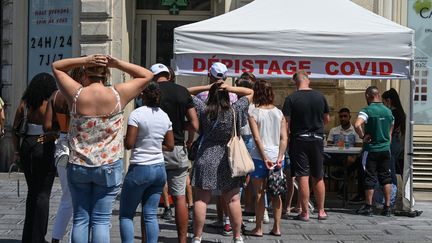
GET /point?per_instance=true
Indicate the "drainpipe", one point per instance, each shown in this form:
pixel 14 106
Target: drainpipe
pixel 1 47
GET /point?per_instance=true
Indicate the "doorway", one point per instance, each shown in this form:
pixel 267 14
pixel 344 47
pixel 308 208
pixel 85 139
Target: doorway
pixel 155 34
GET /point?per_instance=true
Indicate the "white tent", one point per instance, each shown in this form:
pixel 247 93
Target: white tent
pixel 334 39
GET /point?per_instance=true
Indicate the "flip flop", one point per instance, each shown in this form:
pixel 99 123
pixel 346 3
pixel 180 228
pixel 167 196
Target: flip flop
pixel 274 234
pixel 251 233
pixel 323 216
pixel 302 217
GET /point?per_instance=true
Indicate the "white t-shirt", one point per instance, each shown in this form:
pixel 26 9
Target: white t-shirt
pixel 152 124
pixel 245 130
pixel 335 132
pixel 269 125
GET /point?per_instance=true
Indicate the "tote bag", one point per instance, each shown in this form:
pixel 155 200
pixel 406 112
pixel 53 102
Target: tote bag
pixel 239 158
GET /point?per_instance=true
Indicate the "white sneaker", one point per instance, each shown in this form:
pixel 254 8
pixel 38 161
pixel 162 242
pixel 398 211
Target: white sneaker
pixel 238 240
pixel 252 220
pixel 266 218
pixel 196 240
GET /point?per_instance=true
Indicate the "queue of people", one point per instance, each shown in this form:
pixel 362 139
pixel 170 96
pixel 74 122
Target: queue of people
pixel 78 131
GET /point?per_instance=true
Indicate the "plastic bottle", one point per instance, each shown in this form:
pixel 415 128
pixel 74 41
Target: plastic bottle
pixel 341 142
pixel 347 142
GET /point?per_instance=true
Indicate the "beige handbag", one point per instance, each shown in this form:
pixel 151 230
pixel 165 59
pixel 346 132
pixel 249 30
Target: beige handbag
pixel 239 158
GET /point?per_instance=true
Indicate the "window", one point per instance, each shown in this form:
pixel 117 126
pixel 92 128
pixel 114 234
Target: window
pixel 196 5
pixel 421 85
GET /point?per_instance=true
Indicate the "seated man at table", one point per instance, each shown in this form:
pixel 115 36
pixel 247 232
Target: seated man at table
pixel 346 129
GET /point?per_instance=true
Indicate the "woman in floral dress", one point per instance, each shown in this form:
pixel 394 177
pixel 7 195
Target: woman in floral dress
pixel 211 169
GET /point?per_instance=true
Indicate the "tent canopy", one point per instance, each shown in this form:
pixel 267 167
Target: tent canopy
pixel 274 38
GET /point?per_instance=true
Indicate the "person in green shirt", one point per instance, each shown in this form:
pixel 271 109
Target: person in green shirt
pixel 374 125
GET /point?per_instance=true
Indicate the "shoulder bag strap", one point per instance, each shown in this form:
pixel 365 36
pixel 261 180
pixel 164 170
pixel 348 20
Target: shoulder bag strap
pixel 235 123
pixel 25 112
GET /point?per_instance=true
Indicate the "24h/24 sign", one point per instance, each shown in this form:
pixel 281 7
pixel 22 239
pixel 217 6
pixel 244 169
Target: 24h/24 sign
pixel 50 34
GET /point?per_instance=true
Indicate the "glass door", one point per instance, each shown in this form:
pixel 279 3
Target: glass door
pixel 142 40
pixel 155 36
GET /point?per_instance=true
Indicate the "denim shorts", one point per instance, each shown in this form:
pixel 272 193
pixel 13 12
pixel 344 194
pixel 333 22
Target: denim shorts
pixel 261 170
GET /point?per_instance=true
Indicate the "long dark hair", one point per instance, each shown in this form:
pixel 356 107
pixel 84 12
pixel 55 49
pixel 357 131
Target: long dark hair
pixel 40 88
pixel 151 95
pixel 396 103
pixel 394 97
pixel 218 100
pixel 263 93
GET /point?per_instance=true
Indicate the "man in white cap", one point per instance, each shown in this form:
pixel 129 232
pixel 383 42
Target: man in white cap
pixel 177 103
pixel 218 71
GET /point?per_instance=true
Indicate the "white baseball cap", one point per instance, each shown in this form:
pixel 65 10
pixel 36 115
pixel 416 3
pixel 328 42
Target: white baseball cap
pixel 218 70
pixel 159 68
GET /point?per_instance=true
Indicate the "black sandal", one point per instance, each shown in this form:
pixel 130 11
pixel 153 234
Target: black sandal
pixel 274 234
pixel 251 233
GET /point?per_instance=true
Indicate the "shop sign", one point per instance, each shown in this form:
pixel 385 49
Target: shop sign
pixel 420 19
pixel 174 5
pixel 50 34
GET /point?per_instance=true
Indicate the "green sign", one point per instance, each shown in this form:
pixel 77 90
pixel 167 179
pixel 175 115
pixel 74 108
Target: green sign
pixel 174 5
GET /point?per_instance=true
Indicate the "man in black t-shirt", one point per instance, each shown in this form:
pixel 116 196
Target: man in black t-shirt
pixel 306 112
pixel 177 103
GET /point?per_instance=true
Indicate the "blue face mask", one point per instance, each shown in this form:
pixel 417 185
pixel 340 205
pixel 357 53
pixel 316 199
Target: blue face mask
pixel 138 102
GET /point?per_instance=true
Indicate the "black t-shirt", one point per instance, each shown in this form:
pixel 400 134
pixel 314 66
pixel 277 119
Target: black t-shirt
pixel 175 101
pixel 306 109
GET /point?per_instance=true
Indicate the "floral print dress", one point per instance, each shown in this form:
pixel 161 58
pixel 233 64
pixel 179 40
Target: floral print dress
pixel 211 170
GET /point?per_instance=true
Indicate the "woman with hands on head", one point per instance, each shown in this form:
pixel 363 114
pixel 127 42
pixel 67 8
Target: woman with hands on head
pixel 269 131
pixel 211 170
pixel 96 138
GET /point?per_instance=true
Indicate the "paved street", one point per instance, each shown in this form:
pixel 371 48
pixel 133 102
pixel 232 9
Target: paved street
pixel 342 226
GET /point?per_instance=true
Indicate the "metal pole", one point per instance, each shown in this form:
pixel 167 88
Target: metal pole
pixel 410 132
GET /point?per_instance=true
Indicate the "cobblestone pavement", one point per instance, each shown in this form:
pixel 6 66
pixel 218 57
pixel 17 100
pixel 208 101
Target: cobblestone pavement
pixel 342 226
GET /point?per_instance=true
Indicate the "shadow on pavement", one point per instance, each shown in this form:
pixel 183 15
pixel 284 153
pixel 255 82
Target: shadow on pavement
pixel 174 240
pixel 9 241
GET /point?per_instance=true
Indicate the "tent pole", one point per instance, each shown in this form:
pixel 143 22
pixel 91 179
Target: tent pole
pixel 410 132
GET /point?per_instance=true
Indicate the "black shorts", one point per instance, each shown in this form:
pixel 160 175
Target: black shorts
pixel 377 166
pixel 306 156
